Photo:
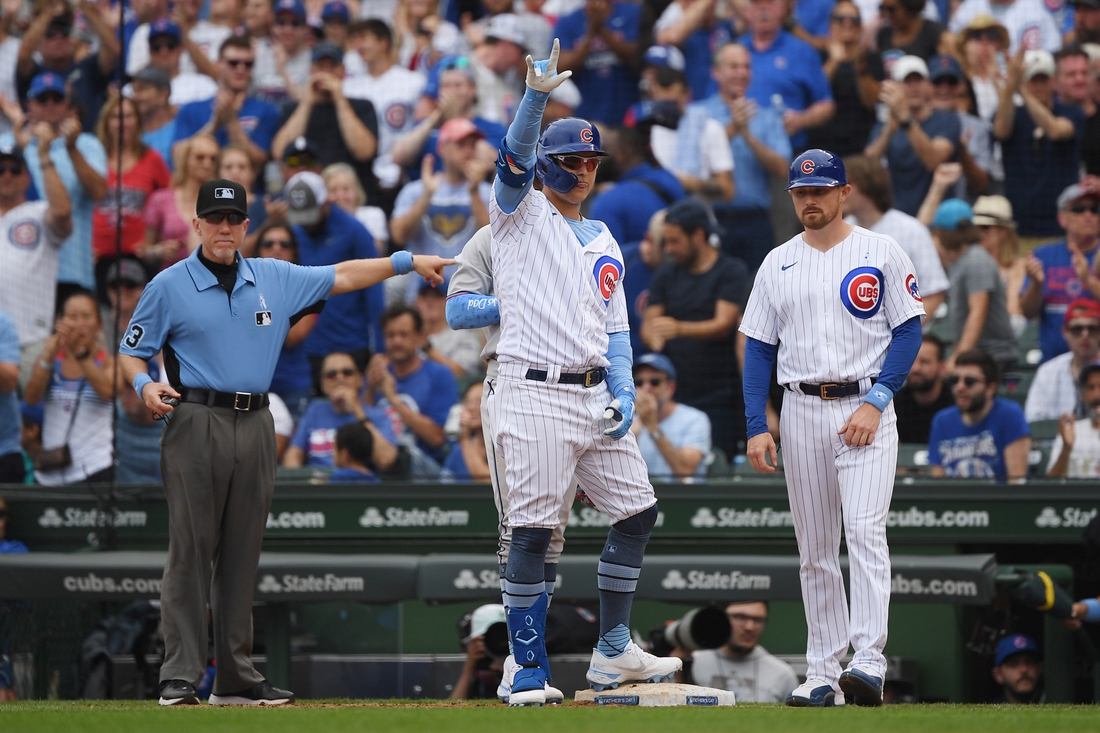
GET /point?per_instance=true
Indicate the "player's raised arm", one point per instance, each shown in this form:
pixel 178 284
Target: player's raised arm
pixel 516 160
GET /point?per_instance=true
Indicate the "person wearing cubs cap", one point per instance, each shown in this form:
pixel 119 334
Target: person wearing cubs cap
pixel 221 322
pixel 838 310
pixel 1018 669
pixel 1056 391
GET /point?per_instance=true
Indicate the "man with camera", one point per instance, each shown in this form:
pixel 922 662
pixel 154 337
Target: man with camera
pixel 741 665
pixel 486 647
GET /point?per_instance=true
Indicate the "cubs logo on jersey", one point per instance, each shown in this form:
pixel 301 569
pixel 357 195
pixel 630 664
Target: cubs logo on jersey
pixel 861 291
pixel 911 287
pixel 608 271
pixel 26 234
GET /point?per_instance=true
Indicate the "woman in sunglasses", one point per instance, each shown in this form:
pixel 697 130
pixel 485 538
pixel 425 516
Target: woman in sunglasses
pixel 143 172
pixel 169 236
pixel 293 379
pixel 981 46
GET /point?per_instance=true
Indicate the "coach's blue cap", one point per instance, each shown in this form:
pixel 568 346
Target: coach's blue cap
pixel 943 65
pixel 1014 644
pixel 817 168
pixel 660 362
pixel 335 11
pixel 951 213
pixel 165 27
pixel 46 82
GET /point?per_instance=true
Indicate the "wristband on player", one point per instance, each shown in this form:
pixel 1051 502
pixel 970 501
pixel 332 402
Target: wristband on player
pixel 1093 606
pixel 402 262
pixel 879 396
pixel 139 383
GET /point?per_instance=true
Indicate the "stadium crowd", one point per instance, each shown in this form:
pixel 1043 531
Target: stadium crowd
pixel 970 131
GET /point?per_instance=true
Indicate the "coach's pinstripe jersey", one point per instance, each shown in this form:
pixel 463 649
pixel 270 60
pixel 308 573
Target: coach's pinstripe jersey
pixel 916 240
pixel 832 312
pixel 558 300
pixel 475 275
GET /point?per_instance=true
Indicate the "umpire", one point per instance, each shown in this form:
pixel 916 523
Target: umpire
pixel 221 321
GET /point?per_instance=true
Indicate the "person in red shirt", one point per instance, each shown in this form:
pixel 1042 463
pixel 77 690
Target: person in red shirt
pixel 143 171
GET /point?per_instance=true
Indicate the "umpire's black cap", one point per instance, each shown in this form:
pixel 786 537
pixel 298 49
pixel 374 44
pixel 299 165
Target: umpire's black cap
pixel 221 195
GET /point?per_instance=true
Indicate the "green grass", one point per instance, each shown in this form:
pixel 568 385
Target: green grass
pixel 441 717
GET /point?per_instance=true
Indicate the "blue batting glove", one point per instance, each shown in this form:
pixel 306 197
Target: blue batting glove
pixel 621 413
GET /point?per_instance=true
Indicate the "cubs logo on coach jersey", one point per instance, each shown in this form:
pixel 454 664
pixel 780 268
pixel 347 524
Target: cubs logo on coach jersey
pixel 911 287
pixel 861 291
pixel 608 272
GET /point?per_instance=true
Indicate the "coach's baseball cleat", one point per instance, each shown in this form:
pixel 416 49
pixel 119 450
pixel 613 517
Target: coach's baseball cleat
pixel 861 688
pixel 812 694
pixel 178 692
pixel 554 696
pixel 263 693
pixel 633 665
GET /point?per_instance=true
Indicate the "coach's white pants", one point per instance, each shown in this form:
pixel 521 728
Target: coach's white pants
pixel 550 433
pixel 500 482
pixel 829 483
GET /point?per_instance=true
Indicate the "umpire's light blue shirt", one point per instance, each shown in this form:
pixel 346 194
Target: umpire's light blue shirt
pixel 222 343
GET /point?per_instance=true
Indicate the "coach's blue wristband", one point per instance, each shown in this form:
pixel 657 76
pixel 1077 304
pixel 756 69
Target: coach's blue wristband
pixel 879 396
pixel 1093 604
pixel 140 381
pixel 402 262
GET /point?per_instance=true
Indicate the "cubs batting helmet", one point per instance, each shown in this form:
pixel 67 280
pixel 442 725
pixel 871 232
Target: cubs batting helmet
pixel 818 168
pixel 567 135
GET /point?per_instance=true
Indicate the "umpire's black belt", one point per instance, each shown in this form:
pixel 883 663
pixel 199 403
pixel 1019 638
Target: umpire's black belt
pixel 242 401
pixel 586 379
pixel 831 390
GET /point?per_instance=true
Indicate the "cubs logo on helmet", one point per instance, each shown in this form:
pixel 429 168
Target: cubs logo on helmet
pixel 817 168
pixel 586 135
pixel 911 287
pixel 807 167
pixel 608 271
pixel 861 291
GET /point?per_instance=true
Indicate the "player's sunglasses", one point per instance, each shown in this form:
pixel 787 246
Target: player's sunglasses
pixel 576 162
pixel 281 243
pixel 234 63
pixel 334 373
pixel 1081 330
pixel 1082 208
pixel 653 382
pixel 849 19
pixel 167 44
pixel 14 168
pixel 968 381
pixel 218 217
pixel 297 23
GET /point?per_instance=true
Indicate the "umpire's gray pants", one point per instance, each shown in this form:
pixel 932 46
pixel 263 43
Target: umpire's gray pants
pixel 218 466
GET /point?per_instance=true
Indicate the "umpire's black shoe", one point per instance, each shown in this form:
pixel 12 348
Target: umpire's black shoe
pixel 262 694
pixel 178 692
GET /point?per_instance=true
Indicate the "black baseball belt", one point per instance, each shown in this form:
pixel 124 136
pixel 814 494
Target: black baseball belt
pixel 240 401
pixel 586 379
pixel 831 390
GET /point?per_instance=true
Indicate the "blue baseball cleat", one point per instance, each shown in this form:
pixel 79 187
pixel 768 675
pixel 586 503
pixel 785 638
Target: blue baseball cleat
pixel 812 694
pixel 861 688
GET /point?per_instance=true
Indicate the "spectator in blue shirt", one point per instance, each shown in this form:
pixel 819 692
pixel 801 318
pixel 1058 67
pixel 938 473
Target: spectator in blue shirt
pixel 643 189
pixel 673 438
pixel 416 393
pixel 982 436
pixel 354 448
pixel 151 89
pixel 314 441
pixel 694 27
pixel 232 116
pixel 1058 273
pixel 915 137
pixel 11 456
pixel 327 235
pixel 787 74
pixel 1041 142
pixel 599 43
pixel 467 460
pixel 760 148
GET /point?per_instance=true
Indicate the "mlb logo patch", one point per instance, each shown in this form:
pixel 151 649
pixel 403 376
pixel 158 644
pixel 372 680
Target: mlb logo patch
pixel 224 193
pixel 263 318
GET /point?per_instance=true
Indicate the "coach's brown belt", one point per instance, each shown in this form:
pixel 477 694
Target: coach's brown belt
pixel 587 379
pixel 242 401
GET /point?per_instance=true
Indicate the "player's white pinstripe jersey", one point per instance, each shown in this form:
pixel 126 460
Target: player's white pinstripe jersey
pixel 832 312
pixel 558 300
pixel 475 275
pixel 916 240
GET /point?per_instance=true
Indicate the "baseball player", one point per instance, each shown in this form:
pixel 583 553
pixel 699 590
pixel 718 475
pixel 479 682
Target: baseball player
pixel 564 395
pixel 471 303
pixel 840 307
